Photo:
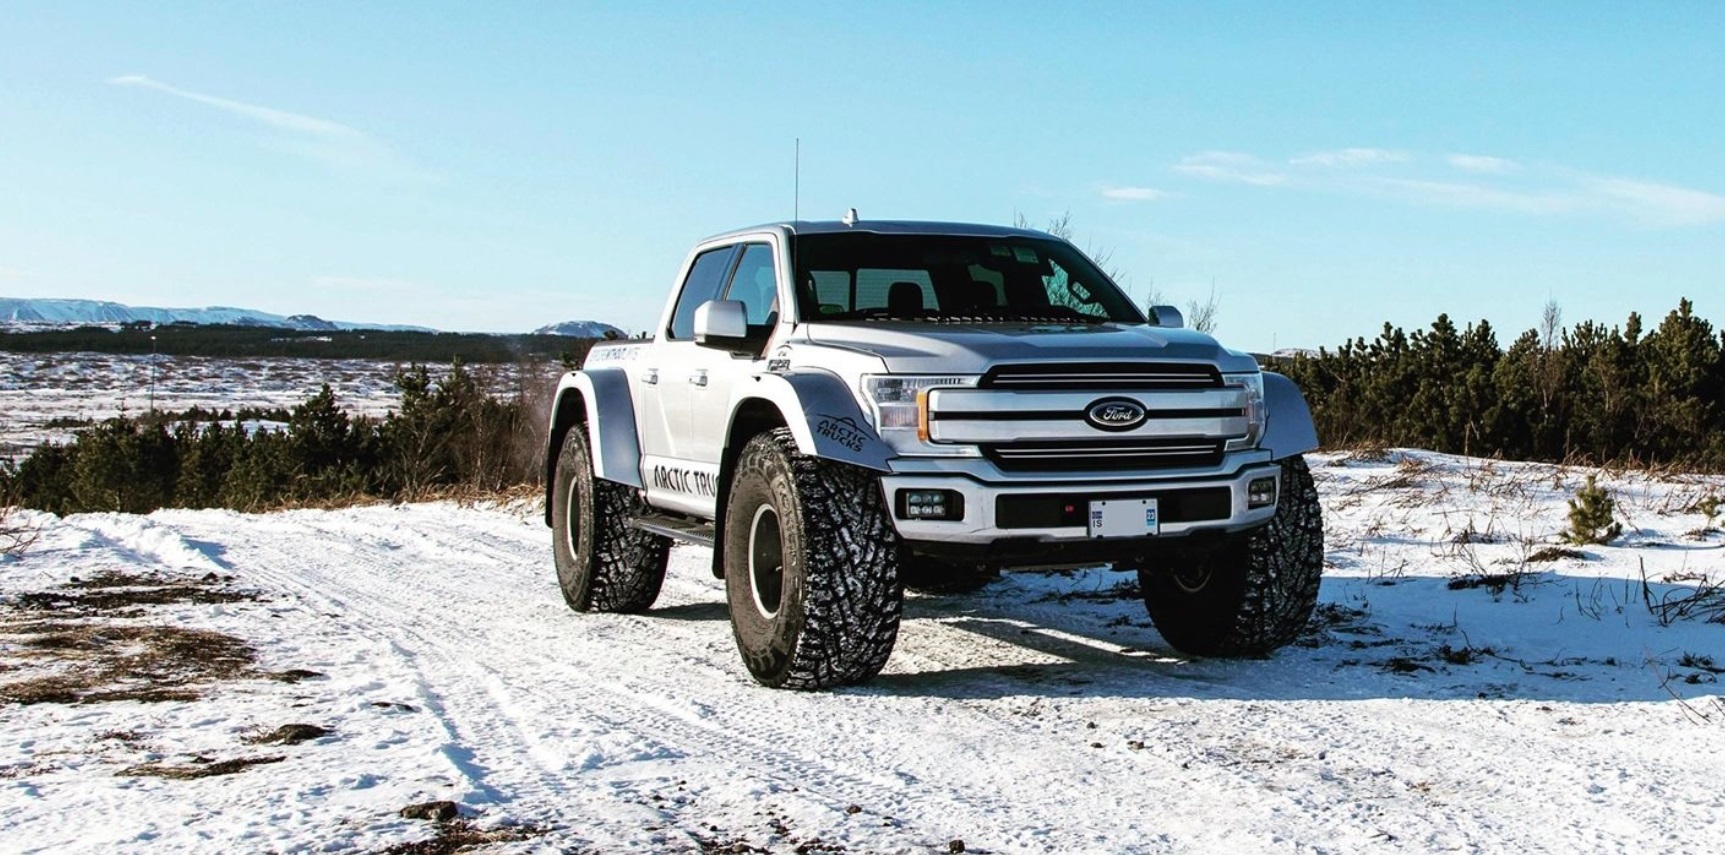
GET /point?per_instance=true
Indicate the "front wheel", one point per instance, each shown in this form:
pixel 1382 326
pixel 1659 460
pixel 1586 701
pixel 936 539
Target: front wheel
pixel 602 564
pixel 811 567
pixel 1252 594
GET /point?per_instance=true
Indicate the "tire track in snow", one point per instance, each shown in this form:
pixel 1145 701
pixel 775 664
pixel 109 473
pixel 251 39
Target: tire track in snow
pixel 590 716
pixel 1360 767
pixel 1056 783
pixel 716 732
pixel 667 730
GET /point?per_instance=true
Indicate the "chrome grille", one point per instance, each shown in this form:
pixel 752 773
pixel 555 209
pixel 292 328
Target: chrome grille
pixel 1116 454
pixel 1104 377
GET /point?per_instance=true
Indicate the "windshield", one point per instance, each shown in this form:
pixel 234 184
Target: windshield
pixel 861 275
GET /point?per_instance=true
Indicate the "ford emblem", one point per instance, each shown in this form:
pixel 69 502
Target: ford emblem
pixel 1115 414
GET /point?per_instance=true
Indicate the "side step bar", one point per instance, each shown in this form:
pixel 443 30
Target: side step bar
pixel 676 528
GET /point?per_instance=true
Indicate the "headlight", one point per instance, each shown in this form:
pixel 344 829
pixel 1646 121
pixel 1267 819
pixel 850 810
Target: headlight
pixel 1253 384
pixel 899 404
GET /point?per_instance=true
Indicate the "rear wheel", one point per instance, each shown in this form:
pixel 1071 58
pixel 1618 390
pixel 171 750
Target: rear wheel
pixel 603 564
pixel 1253 593
pixel 811 567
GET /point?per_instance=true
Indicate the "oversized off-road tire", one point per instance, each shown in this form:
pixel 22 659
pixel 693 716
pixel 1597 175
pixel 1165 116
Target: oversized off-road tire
pixel 603 565
pixel 927 575
pixel 1251 594
pixel 811 567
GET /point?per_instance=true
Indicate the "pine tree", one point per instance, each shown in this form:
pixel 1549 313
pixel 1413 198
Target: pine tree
pixel 1592 515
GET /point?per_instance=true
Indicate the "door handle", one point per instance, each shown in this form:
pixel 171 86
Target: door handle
pixel 651 378
pixel 699 378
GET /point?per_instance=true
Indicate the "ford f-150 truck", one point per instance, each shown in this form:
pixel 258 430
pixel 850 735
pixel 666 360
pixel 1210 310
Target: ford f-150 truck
pixel 838 407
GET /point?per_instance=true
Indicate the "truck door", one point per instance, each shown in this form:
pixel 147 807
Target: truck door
pixel 661 402
pixel 714 372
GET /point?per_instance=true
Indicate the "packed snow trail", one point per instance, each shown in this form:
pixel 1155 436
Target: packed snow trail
pixel 1041 715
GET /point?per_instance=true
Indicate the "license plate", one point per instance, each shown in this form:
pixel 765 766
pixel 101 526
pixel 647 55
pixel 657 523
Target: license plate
pixel 1124 518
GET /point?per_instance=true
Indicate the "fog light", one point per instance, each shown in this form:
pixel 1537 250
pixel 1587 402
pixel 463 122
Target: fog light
pixel 1261 492
pixel 929 505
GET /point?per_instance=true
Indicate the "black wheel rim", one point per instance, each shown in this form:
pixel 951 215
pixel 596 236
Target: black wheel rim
pixel 766 561
pixel 1191 578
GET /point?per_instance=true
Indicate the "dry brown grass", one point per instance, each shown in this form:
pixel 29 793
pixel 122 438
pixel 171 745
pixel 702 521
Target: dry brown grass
pixel 79 645
pixel 200 767
pixel 16 534
pixel 458 835
pixel 83 662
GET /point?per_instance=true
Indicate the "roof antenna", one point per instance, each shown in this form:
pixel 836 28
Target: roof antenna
pixel 797 182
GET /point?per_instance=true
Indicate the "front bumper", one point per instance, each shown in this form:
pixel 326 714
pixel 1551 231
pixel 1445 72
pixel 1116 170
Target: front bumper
pixel 1013 514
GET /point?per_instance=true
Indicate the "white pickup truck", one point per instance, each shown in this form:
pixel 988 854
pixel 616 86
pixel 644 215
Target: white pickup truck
pixel 839 408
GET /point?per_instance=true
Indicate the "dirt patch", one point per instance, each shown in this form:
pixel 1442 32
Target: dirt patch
pixel 290 734
pixel 76 644
pixel 80 662
pixel 200 767
pixel 438 811
pixel 294 675
pixel 111 599
pixel 456 834
pixel 111 591
pixel 1126 589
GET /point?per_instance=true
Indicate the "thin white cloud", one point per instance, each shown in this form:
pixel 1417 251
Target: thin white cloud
pixel 277 118
pixel 1492 184
pixel 1133 194
pixel 1352 157
pixel 1461 194
pixel 327 142
pixel 1660 203
pixel 1482 163
pixel 1230 166
pixel 12 273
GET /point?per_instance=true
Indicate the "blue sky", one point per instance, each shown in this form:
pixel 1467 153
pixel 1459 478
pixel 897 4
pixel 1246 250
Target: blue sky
pixel 1324 167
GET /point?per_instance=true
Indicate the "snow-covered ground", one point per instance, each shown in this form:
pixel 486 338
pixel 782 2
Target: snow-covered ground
pixel 1454 695
pixel 45 397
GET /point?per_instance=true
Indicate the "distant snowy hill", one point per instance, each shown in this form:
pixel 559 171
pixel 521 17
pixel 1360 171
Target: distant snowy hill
pixel 70 312
pixel 582 329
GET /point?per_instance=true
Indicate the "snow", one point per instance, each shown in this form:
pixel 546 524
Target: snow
pixel 582 329
pixel 44 397
pixel 1043 714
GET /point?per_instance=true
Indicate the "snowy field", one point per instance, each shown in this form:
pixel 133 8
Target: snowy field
pixel 1457 693
pixel 44 397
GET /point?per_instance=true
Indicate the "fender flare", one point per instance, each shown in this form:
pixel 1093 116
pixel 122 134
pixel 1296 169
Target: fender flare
pixel 607 412
pixel 1288 428
pixel 822 414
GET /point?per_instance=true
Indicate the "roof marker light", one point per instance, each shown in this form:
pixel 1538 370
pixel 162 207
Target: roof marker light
pixel 850 217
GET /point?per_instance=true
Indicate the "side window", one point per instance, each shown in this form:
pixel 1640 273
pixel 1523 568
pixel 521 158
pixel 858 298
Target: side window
pixel 754 284
pixel 706 277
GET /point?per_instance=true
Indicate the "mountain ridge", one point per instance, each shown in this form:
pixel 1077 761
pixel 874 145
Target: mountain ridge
pixel 57 311
pixel 61 311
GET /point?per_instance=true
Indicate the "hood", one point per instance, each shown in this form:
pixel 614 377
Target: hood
pixel 920 347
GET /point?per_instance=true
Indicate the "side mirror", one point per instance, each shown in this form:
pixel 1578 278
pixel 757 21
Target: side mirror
pixel 723 324
pixel 1160 316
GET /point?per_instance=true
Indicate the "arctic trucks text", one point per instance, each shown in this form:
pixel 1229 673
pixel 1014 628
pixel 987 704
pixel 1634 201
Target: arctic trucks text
pixel 843 408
